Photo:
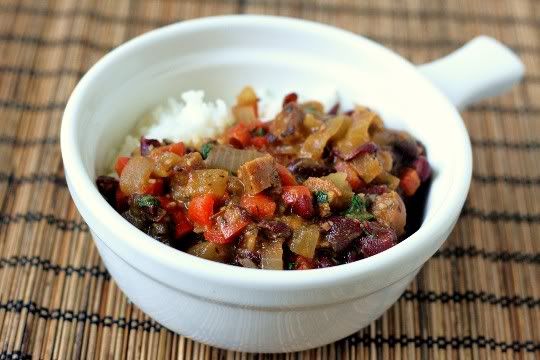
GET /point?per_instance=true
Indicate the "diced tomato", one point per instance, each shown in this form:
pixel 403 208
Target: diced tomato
pixel 121 200
pixel 239 136
pixel 353 179
pixel 201 209
pixel 259 141
pixel 287 179
pixel 299 199
pixel 409 181
pixel 153 187
pixel 120 164
pixel 304 263
pixel 260 205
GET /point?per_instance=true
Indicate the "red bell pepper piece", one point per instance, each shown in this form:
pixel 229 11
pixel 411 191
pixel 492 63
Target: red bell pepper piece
pixel 182 226
pixel 214 235
pixel 229 223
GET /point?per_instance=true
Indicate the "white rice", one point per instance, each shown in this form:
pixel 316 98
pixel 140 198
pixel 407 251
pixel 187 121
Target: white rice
pixel 192 120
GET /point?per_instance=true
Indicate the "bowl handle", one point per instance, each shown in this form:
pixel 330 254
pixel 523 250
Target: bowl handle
pixel 481 68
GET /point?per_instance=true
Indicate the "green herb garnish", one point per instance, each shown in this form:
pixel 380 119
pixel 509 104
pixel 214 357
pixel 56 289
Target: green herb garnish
pixel 310 109
pixel 358 209
pixel 321 197
pixel 147 201
pixel 259 132
pixel 205 149
pixel 291 265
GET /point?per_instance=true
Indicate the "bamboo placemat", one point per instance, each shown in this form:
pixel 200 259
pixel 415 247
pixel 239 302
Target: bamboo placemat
pixel 479 297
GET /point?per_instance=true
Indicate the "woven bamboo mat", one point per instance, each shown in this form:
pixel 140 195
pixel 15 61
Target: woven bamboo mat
pixel 479 297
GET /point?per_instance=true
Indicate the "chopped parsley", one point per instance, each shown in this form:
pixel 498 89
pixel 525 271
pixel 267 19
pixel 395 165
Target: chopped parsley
pixel 321 197
pixel 205 150
pixel 291 265
pixel 147 201
pixel 311 109
pixel 358 209
pixel 259 132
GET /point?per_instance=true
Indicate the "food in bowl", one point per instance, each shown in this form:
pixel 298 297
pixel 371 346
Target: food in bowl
pixel 311 188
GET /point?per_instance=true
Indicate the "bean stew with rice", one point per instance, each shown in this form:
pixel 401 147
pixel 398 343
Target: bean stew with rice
pixel 312 188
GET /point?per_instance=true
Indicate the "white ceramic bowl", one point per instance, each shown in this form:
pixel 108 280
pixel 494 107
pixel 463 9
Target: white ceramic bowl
pixel 257 310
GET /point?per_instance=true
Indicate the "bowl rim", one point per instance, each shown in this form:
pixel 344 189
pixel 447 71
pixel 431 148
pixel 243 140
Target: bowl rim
pixel 101 217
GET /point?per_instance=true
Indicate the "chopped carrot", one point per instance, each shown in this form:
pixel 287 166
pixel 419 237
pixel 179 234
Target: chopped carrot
pixel 239 136
pixel 409 181
pixel 287 179
pixel 177 148
pixel 201 209
pixel 120 164
pixel 259 142
pixel 259 205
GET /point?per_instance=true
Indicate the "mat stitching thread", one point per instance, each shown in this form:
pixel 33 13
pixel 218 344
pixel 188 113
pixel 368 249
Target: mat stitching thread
pixel 510 180
pixel 34 178
pixel 494 216
pixel 366 339
pixel 471 296
pixel 46 265
pixel 15 355
pixel 60 223
pixel 489 143
pixel 55 106
pixel 442 342
pixel 495 256
pixel 63 71
pixel 393 41
pixel 79 316
pixel 15 141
